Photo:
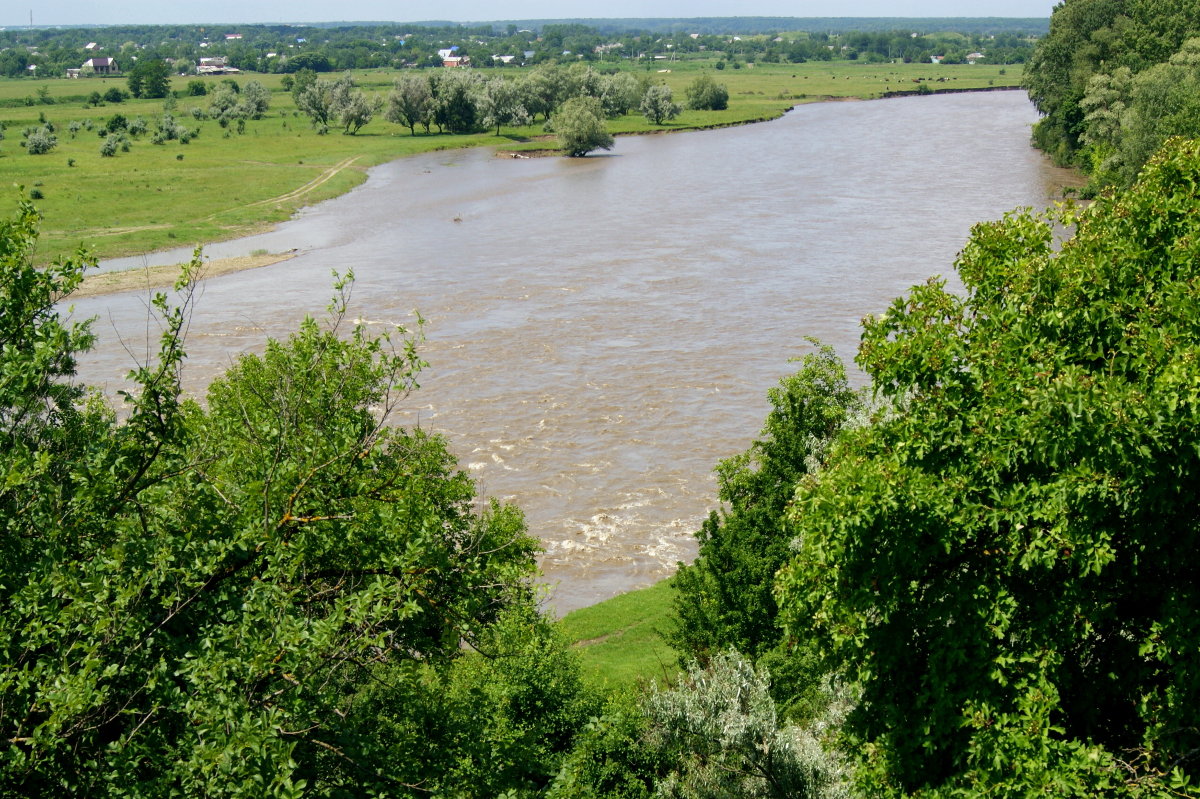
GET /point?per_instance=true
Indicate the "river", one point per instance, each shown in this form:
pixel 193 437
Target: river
pixel 602 330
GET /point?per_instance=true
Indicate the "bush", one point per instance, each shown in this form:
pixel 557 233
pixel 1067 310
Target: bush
pixel 705 94
pixel 40 141
pixel 114 142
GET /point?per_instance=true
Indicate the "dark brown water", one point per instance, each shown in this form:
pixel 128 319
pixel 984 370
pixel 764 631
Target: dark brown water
pixel 602 331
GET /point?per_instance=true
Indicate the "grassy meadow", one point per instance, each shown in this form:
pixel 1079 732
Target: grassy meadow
pixel 225 184
pixel 620 640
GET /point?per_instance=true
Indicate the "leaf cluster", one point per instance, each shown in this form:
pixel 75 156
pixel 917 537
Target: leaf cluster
pixel 1005 558
pixel 194 596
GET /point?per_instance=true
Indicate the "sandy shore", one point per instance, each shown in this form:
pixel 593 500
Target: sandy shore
pixel 157 277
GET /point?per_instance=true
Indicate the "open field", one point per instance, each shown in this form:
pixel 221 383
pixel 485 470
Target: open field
pixel 224 184
pixel 620 640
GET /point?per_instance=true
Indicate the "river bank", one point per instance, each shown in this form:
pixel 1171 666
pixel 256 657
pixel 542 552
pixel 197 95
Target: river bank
pixel 142 273
pixel 225 184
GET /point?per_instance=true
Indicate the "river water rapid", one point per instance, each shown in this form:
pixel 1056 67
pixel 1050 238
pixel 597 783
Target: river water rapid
pixel 602 330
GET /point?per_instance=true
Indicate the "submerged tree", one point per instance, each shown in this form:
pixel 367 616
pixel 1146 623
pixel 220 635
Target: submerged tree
pixel 580 127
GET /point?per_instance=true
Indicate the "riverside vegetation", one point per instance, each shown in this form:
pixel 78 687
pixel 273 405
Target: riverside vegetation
pixel 1114 81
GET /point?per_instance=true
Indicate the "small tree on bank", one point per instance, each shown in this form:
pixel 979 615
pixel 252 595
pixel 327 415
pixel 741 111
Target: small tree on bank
pixel 410 103
pixel 658 104
pixel 705 94
pixel 580 126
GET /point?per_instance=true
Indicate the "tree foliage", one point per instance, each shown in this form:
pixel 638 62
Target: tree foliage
pixel 726 597
pixel 580 127
pixel 1111 41
pixel 714 735
pixel 410 103
pixel 705 94
pixel 500 103
pixel 149 78
pixel 1005 559
pixel 658 104
pixel 352 107
pixel 193 597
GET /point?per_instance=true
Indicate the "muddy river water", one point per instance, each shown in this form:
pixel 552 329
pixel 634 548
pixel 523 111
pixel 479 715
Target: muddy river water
pixel 602 330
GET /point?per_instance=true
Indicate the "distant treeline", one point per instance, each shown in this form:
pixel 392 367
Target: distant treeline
pixel 1025 26
pixel 50 52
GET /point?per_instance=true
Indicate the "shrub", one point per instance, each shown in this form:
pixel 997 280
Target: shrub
pixel 114 142
pixel 705 94
pixel 40 141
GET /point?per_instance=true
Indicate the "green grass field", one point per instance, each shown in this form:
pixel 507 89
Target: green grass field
pixel 620 640
pixel 223 184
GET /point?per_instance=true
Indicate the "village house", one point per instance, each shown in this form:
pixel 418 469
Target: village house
pixel 102 65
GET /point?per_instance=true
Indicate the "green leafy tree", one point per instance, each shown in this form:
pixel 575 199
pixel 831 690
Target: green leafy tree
pixel 498 719
pixel 546 88
pixel 351 106
pixel 455 108
pixel 1091 37
pixel 315 100
pixel 726 597
pixel 619 94
pixel 658 105
pixel 410 103
pixel 1005 559
pixel 255 99
pixel 1163 101
pixel 580 127
pixel 149 78
pixel 499 102
pixel 705 94
pixel 192 596
pixel 299 82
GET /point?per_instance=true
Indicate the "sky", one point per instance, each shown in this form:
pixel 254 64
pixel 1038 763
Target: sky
pixel 155 12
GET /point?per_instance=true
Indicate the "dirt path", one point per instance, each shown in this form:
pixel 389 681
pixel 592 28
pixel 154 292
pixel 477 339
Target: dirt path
pixel 312 185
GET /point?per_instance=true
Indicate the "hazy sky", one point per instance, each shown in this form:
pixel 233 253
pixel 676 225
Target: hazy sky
pixel 84 12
